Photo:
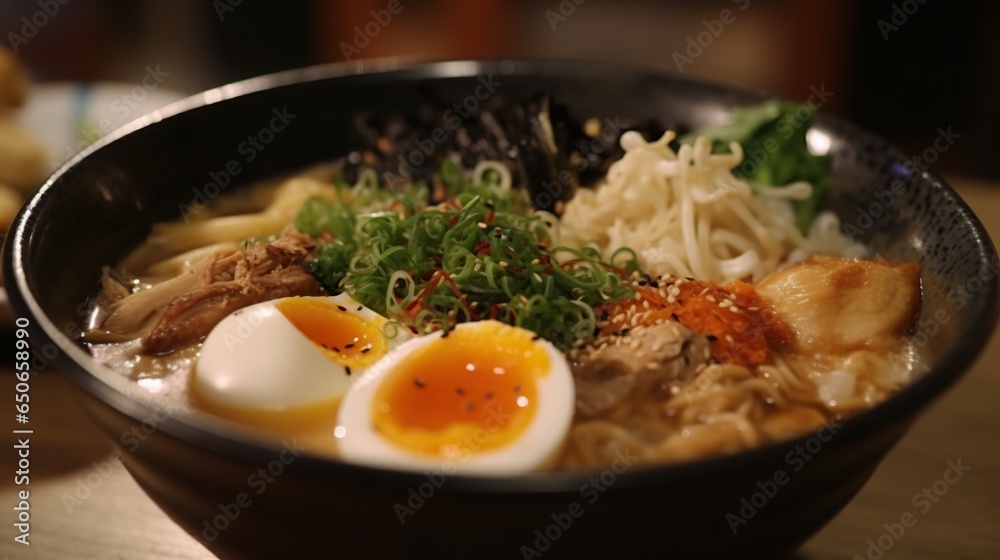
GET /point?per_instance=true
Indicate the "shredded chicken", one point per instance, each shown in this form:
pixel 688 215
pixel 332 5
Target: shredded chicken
pixel 183 310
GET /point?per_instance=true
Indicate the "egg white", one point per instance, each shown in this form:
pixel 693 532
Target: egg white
pixel 534 449
pixel 256 359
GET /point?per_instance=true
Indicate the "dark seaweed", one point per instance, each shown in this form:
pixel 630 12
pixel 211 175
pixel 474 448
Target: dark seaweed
pixel 544 146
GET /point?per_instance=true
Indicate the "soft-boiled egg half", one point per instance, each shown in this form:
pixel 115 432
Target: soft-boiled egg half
pixel 290 361
pixel 486 397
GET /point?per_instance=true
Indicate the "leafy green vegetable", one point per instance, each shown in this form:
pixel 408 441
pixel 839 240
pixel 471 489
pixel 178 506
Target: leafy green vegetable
pixel 482 254
pixel 773 136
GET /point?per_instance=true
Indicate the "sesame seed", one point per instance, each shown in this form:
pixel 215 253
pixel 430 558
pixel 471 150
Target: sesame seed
pixel 366 349
pixel 662 293
pixel 503 264
pixel 638 295
pixel 753 308
pixel 419 383
pixel 349 345
pixel 460 391
pixel 617 318
pixel 645 304
pixel 482 225
pixel 342 308
pixel 347 369
pixel 729 339
pixel 710 298
pixel 671 299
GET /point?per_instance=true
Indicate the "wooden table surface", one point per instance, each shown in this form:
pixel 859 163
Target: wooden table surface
pixel 117 521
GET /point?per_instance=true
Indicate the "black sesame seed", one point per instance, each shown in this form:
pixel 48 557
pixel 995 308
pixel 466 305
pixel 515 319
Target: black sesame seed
pixel 460 391
pixel 360 308
pixel 674 317
pixel 689 279
pixel 687 360
pixel 419 383
pixel 335 349
pixel 604 314
pixel 643 282
pixel 366 349
pixel 536 337
pixel 445 333
pixel 347 369
pixel 342 308
pixel 712 338
pixel 349 345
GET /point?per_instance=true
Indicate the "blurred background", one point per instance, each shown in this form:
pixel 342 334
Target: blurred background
pixel 903 68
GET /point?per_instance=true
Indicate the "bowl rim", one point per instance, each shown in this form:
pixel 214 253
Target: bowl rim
pixel 78 364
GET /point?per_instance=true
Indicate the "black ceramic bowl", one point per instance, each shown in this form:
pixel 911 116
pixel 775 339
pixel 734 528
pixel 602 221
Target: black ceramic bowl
pixel 205 476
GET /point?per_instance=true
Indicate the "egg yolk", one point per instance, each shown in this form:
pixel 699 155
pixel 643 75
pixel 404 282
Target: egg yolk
pixel 470 391
pixel 344 337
